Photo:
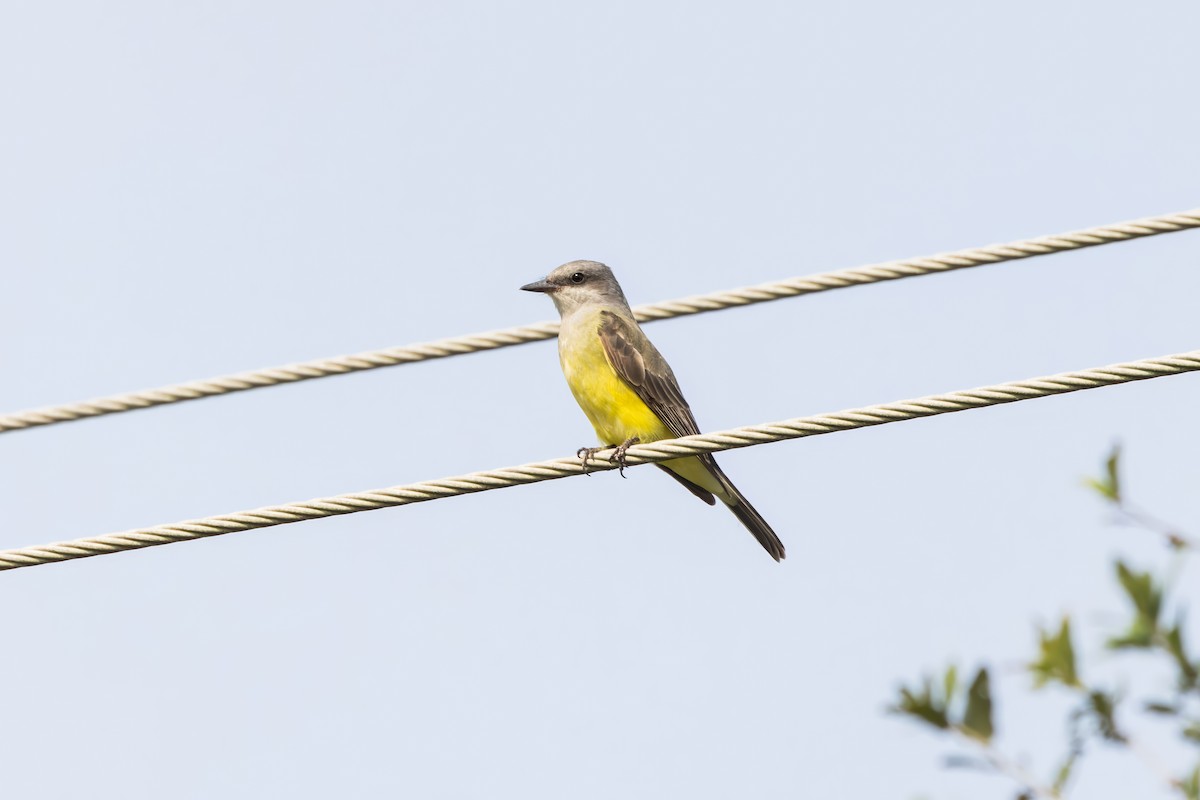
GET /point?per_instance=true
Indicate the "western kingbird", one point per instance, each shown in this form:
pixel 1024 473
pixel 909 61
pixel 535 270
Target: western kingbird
pixel 627 389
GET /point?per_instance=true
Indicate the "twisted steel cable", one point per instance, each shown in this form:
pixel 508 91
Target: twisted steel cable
pixel 565 467
pixel 491 340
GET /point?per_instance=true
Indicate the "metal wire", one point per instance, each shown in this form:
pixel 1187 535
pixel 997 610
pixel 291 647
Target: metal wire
pixel 566 467
pixel 491 340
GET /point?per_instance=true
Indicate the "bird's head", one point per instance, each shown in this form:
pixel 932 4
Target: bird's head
pixel 580 283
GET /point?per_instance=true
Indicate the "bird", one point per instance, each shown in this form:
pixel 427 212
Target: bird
pixel 627 389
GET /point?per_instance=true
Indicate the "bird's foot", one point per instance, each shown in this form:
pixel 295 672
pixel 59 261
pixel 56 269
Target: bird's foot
pixel 586 454
pixel 618 455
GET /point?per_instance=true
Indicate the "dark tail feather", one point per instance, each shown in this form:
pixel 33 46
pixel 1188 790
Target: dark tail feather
pixel 759 527
pixel 749 517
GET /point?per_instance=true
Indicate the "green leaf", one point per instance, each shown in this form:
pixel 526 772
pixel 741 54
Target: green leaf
pixel 949 683
pixel 1147 599
pixel 1191 731
pixel 1161 707
pixel 1189 677
pixel 977 719
pixel 1056 658
pixel 1103 709
pixel 924 704
pixel 1112 467
pixel 1109 486
pixel 1101 488
pixel 1190 785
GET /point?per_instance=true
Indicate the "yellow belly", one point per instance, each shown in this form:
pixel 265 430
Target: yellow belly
pixel 615 410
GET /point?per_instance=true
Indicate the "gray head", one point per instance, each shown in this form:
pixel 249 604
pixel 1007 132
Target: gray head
pixel 580 283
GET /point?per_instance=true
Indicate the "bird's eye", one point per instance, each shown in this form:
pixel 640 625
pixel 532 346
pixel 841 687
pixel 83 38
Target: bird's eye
pixel 578 277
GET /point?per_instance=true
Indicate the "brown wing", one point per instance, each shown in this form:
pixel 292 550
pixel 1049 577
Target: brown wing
pixel 640 365
pixel 645 370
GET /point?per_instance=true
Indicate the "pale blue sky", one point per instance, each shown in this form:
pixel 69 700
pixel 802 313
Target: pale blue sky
pixel 193 189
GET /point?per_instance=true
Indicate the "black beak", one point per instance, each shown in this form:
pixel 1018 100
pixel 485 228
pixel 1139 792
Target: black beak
pixel 538 286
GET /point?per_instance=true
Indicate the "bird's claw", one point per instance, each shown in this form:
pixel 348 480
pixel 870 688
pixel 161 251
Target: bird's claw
pixel 586 454
pixel 618 455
